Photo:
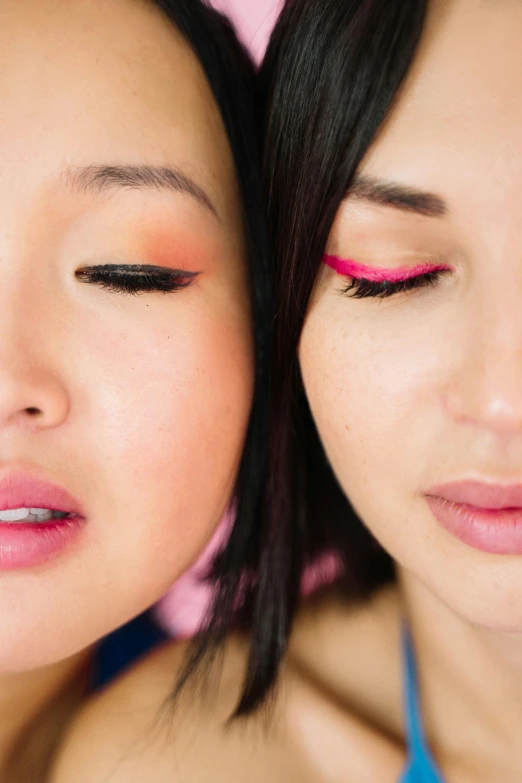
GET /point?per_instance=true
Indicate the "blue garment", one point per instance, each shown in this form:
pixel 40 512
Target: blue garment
pixel 421 764
pixel 124 646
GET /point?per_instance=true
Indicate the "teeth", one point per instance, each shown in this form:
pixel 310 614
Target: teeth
pixel 29 515
pixel 43 515
pixel 14 514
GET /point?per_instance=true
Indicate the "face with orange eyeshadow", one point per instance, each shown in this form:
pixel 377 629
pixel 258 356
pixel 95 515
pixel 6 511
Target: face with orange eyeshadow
pixel 126 377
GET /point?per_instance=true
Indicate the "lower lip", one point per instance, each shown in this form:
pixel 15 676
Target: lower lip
pixel 497 531
pixel 35 543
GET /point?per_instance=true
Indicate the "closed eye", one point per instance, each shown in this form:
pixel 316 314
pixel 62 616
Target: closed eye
pixel 136 278
pixel 359 288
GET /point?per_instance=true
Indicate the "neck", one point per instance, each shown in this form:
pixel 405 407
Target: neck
pixel 35 708
pixel 471 687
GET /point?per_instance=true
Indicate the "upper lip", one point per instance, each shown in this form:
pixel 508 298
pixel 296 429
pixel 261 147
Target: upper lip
pixel 480 494
pixel 23 490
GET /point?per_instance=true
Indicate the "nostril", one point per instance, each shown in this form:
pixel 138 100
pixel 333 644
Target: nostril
pixel 33 411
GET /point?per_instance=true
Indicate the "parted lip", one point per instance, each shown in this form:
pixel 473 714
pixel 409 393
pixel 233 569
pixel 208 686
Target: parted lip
pixel 481 495
pixel 23 490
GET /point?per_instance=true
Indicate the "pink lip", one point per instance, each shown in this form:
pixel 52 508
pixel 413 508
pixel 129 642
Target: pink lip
pixel 20 490
pixel 487 517
pixel 350 268
pixel 25 545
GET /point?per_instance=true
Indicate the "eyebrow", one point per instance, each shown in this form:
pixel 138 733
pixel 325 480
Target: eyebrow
pixel 401 197
pixel 101 179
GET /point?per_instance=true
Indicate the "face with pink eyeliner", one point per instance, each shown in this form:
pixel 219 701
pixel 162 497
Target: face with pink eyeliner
pixel 411 349
pixel 126 353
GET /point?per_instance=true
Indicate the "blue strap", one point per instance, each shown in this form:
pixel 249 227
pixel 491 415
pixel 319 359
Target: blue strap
pixel 422 767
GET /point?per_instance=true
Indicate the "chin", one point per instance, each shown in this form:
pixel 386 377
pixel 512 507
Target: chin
pixel 486 595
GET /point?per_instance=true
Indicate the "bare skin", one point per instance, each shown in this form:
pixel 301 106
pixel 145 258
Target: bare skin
pixel 336 716
pixel 36 710
pixel 136 404
pixel 311 731
pixel 406 392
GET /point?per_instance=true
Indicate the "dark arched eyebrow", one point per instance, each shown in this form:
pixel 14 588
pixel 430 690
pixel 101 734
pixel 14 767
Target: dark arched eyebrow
pixel 392 194
pixel 100 179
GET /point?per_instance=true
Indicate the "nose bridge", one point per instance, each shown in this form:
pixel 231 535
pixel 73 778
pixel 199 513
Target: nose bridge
pixel 486 389
pixel 30 383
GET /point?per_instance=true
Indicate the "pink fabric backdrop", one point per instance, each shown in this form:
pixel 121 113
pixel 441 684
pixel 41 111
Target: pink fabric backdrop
pixel 254 20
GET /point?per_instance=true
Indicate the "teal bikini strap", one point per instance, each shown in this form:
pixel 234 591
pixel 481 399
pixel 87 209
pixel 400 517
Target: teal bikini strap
pixel 422 765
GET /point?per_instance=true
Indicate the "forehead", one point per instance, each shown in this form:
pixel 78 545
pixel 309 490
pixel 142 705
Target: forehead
pixel 460 112
pixel 108 81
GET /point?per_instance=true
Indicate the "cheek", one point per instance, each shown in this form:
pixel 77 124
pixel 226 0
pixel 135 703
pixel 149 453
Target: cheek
pixel 373 391
pixel 172 411
pixel 181 396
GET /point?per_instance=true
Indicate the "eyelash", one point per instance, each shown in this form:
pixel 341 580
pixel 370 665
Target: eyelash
pixel 136 278
pixel 366 289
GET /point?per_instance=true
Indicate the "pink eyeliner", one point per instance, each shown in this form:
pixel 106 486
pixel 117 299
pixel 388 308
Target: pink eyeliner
pixel 349 268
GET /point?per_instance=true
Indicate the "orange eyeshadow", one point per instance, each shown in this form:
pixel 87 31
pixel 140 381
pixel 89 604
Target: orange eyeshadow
pixel 175 249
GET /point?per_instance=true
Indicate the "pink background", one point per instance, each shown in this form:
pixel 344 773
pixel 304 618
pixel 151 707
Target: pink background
pixel 254 20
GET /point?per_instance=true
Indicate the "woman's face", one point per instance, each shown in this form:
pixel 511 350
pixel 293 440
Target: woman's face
pixel 424 388
pixel 137 405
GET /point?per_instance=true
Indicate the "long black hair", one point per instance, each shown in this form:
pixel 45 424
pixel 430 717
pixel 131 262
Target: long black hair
pixel 331 74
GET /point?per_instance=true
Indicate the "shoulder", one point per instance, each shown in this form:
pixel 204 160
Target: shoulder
pixel 107 732
pixel 335 716
pixel 347 704
pixel 132 732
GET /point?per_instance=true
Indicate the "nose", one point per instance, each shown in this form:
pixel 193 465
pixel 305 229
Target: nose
pixel 32 391
pixel 29 394
pixel 485 389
